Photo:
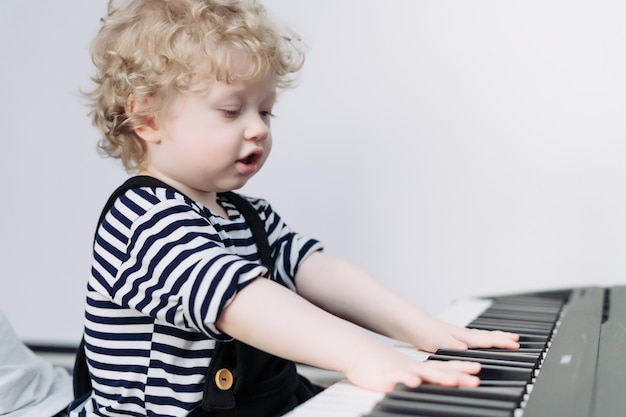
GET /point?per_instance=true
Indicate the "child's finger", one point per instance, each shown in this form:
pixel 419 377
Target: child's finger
pixel 467 367
pixel 475 338
pixel 450 373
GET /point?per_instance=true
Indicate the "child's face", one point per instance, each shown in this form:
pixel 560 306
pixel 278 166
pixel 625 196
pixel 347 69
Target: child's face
pixel 214 140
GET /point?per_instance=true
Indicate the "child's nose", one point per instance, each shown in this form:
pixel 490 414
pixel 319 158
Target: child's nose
pixel 257 129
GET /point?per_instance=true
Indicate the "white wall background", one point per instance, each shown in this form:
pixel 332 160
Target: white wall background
pixel 452 148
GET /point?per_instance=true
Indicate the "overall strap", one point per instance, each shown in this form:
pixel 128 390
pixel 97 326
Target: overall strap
pixel 256 226
pixel 81 378
pixel 133 182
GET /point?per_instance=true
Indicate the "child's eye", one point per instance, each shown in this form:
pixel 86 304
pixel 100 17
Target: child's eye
pixel 230 112
pixel 266 114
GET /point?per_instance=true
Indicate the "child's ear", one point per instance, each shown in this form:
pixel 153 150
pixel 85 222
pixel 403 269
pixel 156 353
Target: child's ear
pixel 147 128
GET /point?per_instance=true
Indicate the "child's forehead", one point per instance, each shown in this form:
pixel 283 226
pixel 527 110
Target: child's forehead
pixel 236 69
pixel 232 64
pixel 264 89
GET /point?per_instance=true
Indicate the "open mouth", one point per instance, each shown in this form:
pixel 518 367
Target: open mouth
pixel 248 165
pixel 251 159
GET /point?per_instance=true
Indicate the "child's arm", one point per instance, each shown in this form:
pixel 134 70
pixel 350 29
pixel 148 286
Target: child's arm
pixel 272 318
pixel 341 288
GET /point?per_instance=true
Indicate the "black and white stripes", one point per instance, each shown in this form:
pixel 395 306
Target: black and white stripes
pixel 163 270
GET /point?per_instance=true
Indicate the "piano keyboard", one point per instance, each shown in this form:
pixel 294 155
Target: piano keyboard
pixel 571 363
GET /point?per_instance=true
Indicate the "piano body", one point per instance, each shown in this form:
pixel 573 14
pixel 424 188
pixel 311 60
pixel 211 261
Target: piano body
pixel 572 362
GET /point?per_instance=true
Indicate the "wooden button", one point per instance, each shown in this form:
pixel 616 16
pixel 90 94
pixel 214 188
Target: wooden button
pixel 224 379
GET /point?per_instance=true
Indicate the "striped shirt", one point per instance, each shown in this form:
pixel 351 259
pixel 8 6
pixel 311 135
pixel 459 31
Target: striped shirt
pixel 164 267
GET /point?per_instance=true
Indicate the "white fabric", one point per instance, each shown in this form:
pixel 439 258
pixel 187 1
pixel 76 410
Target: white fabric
pixel 30 386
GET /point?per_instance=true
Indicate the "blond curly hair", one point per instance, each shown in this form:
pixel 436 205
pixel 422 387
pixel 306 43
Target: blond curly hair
pixel 147 47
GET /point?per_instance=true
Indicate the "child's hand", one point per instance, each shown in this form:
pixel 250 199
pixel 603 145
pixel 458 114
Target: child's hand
pixel 435 335
pixel 382 371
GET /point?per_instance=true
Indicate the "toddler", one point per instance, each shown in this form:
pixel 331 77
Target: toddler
pixel 184 93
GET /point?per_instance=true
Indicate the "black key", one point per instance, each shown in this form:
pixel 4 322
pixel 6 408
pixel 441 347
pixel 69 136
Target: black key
pixel 530 301
pixel 525 337
pixel 491 372
pixel 523 324
pixel 509 355
pixel 483 361
pixel 527 327
pixel 386 414
pixel 547 309
pixel 512 329
pixel 537 318
pixel 411 408
pixel 503 383
pixel 530 351
pixel 425 397
pixel 514 394
pixel 537 345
